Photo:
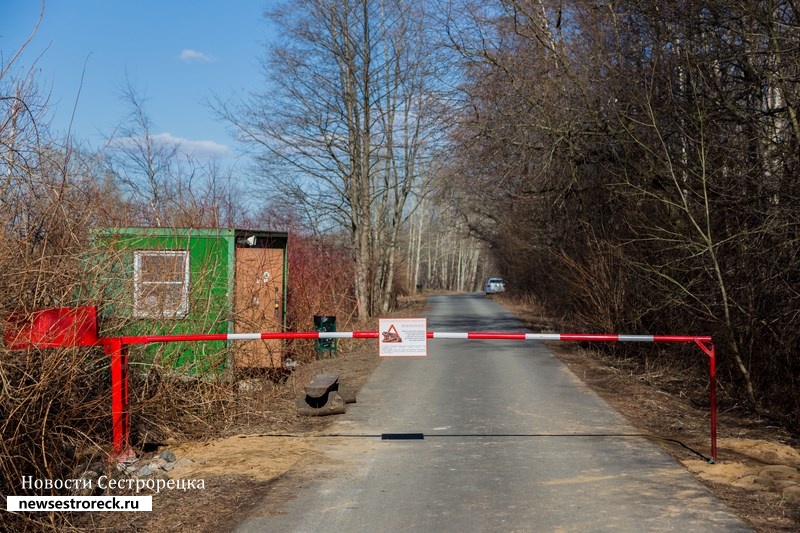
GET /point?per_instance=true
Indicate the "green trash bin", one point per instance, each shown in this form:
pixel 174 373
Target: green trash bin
pixel 326 324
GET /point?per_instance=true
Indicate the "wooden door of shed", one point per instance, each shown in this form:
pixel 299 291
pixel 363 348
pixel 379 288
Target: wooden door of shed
pixel 258 305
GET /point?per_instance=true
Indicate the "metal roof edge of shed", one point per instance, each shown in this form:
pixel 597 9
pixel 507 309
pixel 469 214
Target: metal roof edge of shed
pixel 135 231
pixel 261 232
pixel 164 232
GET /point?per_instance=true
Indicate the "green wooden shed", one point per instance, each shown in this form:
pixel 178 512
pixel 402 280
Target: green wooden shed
pixel 189 280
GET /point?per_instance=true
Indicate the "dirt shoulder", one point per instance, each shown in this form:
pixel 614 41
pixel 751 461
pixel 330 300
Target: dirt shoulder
pixel 757 473
pixel 270 450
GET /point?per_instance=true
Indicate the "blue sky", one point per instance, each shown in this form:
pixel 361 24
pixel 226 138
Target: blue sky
pixel 176 53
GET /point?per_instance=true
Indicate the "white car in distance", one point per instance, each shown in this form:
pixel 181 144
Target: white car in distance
pixel 495 286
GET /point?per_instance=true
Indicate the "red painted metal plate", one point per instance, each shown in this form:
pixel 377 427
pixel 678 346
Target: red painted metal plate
pixel 52 328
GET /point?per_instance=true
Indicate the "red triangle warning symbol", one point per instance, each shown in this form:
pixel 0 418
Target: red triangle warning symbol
pixel 391 335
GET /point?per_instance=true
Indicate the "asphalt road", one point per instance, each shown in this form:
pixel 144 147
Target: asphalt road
pixel 511 441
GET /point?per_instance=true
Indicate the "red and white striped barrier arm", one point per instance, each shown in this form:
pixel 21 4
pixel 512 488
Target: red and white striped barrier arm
pixel 472 335
pixel 593 337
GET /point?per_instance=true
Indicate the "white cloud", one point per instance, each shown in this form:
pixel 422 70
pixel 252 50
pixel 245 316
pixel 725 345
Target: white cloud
pixel 193 56
pixel 201 149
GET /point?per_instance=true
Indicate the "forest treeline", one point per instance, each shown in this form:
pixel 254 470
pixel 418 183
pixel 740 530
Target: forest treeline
pixel 634 166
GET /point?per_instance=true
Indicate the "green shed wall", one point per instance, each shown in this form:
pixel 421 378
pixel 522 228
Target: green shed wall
pixel 211 255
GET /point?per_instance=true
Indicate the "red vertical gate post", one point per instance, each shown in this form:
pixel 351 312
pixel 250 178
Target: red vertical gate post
pixel 120 416
pixel 711 351
pixel 713 379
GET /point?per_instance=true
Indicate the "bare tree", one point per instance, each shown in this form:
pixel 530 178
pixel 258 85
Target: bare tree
pixel 644 156
pixel 161 183
pixel 348 124
pixel 713 120
pixel 141 163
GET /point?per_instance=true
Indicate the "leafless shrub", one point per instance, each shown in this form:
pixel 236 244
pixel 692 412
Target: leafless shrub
pixel 55 403
pixel 597 289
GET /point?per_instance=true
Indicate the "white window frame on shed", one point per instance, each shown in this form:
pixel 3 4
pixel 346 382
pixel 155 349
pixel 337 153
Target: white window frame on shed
pixel 159 286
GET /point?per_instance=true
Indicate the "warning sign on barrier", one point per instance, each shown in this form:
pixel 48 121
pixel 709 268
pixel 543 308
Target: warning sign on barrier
pixel 403 337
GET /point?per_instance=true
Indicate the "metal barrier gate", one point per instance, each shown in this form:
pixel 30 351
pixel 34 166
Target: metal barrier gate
pixel 54 328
